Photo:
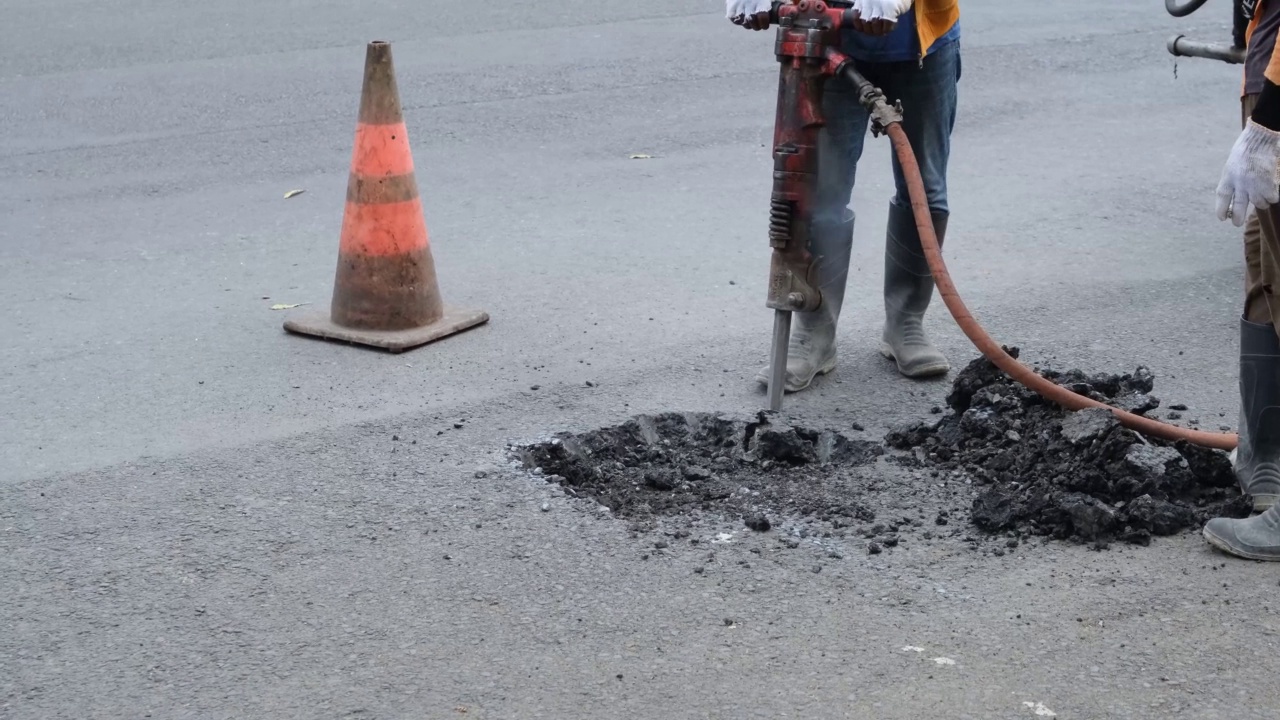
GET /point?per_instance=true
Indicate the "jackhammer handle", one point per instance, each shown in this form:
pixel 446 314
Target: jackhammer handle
pixel 773 11
pixel 846 18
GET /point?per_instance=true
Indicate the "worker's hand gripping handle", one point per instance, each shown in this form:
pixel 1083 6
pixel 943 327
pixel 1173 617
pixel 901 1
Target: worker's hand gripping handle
pixel 847 15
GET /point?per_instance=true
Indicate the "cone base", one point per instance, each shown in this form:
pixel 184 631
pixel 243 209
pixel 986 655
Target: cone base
pixel 455 320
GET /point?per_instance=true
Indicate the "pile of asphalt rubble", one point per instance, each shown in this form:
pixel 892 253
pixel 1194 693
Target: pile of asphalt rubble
pixel 1081 475
pixel 1020 466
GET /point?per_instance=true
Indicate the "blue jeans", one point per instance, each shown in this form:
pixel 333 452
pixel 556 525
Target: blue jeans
pixel 928 98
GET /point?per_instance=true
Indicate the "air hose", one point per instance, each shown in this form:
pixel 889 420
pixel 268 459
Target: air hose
pixel 991 349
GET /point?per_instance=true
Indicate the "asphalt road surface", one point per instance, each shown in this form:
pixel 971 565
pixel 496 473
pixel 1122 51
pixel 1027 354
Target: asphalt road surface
pixel 204 517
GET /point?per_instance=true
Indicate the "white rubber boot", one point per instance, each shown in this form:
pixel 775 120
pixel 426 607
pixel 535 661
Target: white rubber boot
pixel 908 289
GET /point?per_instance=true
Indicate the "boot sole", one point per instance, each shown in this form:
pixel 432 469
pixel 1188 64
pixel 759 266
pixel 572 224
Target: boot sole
pixel 927 371
pixel 1222 545
pixel 825 368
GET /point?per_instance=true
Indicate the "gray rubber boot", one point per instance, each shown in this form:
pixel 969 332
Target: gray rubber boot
pixel 1242 448
pixel 1257 538
pixel 908 289
pixel 812 348
pixel 1258 456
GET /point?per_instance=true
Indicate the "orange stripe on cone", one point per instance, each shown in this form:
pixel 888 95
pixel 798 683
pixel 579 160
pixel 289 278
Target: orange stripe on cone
pixel 382 150
pixel 383 229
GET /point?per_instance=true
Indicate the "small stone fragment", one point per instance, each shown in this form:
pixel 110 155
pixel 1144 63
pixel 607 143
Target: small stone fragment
pixel 1084 426
pixel 693 472
pixel 1158 516
pixel 782 444
pixel 1149 462
pixel 660 479
pixel 1092 520
pixel 1138 404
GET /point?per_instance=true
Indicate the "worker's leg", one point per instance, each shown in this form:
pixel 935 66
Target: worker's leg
pixel 1259 258
pixel 1252 306
pixel 1258 455
pixel 1256 465
pixel 928 96
pixel 812 349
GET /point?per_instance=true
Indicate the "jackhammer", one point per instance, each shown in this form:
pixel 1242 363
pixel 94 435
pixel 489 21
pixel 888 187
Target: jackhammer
pixel 807 48
pixel 807 43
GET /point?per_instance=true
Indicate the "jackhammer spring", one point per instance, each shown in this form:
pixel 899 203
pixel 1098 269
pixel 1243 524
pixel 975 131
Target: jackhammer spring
pixel 779 222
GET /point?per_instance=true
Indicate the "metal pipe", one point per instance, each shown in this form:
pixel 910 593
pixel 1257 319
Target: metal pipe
pixel 1180 46
pixel 1183 10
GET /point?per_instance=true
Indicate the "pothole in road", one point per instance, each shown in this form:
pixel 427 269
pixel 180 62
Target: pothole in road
pixel 1002 457
pixel 684 465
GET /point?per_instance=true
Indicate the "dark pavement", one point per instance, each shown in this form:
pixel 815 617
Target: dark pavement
pixel 201 516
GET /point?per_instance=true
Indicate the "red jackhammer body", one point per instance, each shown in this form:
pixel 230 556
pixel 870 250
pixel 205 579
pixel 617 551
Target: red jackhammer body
pixel 807 47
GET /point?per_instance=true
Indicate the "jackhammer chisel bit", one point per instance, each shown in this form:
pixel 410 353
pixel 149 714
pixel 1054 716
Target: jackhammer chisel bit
pixel 778 358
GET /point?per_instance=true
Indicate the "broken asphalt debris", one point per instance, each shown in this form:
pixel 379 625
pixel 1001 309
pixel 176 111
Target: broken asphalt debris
pixel 1044 470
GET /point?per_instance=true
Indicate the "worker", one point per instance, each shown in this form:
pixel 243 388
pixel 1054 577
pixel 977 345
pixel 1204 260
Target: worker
pixel 1250 180
pixel 912 52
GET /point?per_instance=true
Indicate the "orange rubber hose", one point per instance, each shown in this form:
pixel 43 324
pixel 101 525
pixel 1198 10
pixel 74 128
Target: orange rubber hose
pixel 992 350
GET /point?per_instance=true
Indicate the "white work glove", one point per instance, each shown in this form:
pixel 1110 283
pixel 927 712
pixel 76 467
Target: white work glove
pixel 888 10
pixel 1252 174
pixel 745 8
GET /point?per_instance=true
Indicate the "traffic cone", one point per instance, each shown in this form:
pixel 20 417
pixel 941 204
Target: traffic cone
pixel 385 292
